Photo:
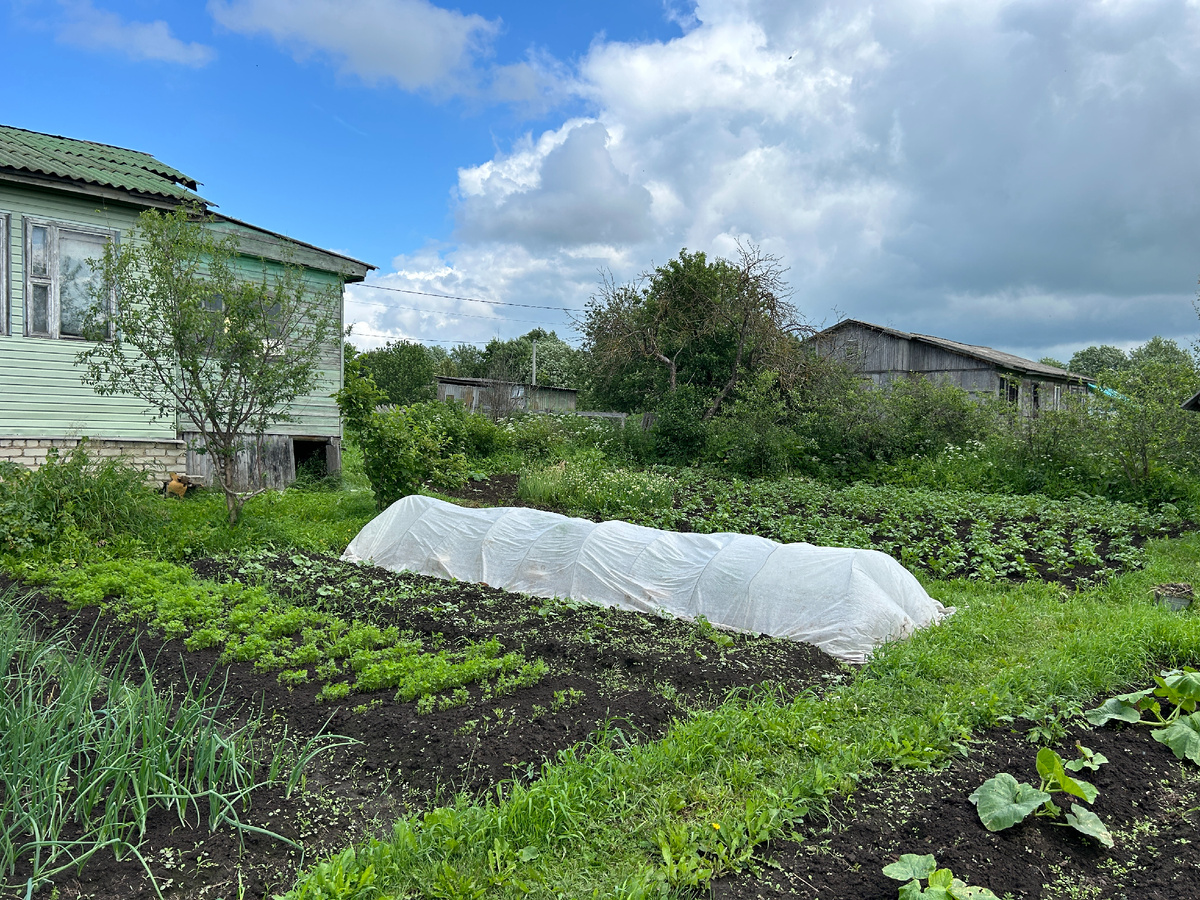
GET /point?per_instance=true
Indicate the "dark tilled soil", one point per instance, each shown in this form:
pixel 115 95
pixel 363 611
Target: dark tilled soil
pixel 496 490
pixel 609 669
pixel 1148 799
pixel 632 674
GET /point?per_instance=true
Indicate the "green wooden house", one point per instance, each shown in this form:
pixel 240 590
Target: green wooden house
pixel 61 201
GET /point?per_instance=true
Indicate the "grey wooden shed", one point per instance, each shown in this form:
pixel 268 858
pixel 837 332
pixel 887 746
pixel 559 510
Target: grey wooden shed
pixel 886 354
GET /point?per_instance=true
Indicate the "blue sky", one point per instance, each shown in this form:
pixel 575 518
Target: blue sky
pixel 1018 174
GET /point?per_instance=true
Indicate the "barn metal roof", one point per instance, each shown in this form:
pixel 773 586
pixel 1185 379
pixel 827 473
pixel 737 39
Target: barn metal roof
pixel 484 382
pixel 996 357
pixel 92 163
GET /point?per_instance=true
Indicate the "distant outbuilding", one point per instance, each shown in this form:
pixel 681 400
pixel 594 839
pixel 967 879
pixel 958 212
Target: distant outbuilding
pixel 500 398
pixel 887 354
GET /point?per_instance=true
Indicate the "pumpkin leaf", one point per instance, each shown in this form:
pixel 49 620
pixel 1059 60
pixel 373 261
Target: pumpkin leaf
pixel 1122 708
pixel 962 891
pixel 1002 801
pixel 1182 736
pixel 1050 767
pixel 910 866
pixel 1087 822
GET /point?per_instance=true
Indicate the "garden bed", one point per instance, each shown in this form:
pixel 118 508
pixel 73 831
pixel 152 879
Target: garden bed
pixel 943 534
pixel 1149 800
pixel 608 670
pixel 545 676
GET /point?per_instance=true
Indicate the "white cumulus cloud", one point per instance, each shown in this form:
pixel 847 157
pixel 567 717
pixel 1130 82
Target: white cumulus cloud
pixel 1011 172
pixel 411 43
pixel 84 25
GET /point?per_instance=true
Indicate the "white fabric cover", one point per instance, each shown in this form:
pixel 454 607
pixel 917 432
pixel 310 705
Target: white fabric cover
pixel 845 601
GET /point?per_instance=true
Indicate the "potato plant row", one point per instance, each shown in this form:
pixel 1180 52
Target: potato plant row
pixel 945 534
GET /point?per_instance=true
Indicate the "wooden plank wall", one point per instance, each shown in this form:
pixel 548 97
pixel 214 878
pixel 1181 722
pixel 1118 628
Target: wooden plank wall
pixel 885 358
pixel 278 463
pixel 41 393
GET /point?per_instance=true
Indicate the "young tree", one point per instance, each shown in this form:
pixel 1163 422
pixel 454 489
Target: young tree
pixel 192 335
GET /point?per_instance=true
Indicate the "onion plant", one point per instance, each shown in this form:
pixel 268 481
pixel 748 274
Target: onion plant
pixel 89 747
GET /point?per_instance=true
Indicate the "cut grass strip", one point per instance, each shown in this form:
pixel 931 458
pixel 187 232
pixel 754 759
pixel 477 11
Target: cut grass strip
pixel 623 820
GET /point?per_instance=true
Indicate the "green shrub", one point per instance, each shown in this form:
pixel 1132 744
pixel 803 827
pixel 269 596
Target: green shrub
pixel 534 436
pixel 754 436
pixel 471 434
pixel 100 498
pixel 587 485
pixel 679 429
pixel 402 450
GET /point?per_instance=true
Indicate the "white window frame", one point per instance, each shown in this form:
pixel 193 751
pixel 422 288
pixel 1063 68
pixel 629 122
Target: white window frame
pixel 5 275
pixel 54 229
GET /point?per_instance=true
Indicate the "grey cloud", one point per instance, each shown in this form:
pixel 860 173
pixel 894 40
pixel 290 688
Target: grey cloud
pixel 1015 174
pixel 581 198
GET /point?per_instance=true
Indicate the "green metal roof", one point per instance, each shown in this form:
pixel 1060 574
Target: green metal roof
pixel 92 163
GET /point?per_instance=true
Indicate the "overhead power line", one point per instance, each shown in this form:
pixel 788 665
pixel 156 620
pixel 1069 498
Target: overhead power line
pixel 380 287
pixel 442 312
pixel 382 334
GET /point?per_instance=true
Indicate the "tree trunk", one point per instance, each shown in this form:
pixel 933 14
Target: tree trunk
pixel 233 503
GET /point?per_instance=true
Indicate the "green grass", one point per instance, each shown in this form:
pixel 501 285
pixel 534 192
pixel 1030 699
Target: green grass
pixel 310 520
pixel 615 820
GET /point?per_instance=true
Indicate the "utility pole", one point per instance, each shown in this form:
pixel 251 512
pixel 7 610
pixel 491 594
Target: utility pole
pixel 535 362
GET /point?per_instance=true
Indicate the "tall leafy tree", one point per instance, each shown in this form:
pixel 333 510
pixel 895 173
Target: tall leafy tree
pixel 1091 361
pixel 1161 350
pixel 704 324
pixel 196 333
pixel 403 370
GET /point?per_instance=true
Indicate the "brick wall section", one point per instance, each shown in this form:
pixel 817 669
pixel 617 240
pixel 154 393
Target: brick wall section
pixel 158 458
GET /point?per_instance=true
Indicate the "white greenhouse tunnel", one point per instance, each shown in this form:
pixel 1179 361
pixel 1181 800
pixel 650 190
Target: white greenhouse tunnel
pixel 845 601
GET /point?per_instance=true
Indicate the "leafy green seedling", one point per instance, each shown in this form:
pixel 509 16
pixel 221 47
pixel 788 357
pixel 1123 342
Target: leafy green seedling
pixel 1178 687
pixel 1087 760
pixel 1002 801
pixel 942 885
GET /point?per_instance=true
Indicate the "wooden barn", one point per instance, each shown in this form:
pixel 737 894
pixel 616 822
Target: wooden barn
pixel 885 354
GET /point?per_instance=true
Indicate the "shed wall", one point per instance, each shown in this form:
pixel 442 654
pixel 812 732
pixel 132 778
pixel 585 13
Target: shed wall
pixel 885 358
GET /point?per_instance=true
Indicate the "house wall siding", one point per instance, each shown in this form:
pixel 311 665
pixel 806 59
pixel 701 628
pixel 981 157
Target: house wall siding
pixel 41 391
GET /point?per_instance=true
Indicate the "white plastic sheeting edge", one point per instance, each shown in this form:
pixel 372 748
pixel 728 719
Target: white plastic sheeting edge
pixel 845 601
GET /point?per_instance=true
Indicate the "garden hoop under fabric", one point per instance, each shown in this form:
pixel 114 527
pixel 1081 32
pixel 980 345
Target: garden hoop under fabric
pixel 845 601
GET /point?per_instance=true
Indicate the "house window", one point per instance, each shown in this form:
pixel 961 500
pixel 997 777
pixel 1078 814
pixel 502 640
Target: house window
pixel 59 278
pixel 1010 389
